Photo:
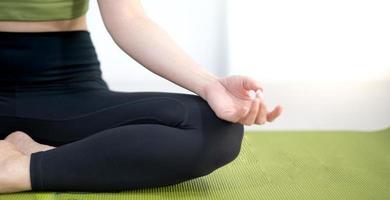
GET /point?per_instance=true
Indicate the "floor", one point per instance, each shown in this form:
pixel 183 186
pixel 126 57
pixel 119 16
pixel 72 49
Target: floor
pixel 278 165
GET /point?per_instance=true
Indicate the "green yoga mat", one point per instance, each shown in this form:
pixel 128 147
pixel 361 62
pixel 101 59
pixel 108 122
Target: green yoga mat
pixel 278 165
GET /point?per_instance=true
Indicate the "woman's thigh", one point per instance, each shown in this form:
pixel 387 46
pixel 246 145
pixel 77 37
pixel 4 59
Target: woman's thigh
pixel 63 118
pixel 135 140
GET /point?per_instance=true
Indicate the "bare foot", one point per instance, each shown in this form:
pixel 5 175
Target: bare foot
pixel 14 169
pixel 25 143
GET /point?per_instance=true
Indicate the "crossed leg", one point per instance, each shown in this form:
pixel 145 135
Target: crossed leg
pixel 164 141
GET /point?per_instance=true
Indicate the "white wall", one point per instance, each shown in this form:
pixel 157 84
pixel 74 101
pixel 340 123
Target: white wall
pixel 310 40
pixel 326 62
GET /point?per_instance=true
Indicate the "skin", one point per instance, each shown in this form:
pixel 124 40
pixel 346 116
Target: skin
pixel 153 48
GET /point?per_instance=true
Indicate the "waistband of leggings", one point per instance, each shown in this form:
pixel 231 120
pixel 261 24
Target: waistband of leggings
pixel 44 34
pixel 42 60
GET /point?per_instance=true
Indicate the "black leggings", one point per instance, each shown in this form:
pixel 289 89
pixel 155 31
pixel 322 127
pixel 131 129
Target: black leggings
pixel 51 88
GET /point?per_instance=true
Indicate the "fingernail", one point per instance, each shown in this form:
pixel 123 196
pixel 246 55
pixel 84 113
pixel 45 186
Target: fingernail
pixel 252 94
pixel 260 94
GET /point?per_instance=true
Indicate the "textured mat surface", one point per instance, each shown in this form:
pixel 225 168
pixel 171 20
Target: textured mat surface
pixel 278 165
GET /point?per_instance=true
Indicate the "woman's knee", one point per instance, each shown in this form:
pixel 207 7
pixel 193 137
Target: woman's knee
pixel 222 142
pixel 221 139
pixel 222 148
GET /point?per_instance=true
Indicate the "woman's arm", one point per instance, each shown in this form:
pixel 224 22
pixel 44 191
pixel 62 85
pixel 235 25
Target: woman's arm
pixel 151 46
pixel 148 44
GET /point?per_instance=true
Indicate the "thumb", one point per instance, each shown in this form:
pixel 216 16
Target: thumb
pixel 251 84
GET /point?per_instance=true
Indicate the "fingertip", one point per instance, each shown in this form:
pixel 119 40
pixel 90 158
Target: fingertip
pixel 280 108
pixel 271 116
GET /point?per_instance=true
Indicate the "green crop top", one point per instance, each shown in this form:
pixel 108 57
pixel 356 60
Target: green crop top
pixel 42 10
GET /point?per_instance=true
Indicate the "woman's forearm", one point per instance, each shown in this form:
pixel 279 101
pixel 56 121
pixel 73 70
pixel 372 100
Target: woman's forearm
pixel 151 46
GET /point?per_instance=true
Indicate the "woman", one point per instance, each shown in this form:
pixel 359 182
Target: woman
pixel 63 129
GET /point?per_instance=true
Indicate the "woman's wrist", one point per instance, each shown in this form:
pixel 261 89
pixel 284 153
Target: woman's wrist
pixel 207 81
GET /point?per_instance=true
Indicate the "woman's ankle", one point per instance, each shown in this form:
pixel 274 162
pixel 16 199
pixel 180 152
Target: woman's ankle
pixel 16 174
pixel 23 178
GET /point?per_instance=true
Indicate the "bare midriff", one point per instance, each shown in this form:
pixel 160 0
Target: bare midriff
pixel 44 26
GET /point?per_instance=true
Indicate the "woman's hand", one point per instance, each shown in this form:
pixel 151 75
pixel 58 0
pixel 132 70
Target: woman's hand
pixel 230 99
